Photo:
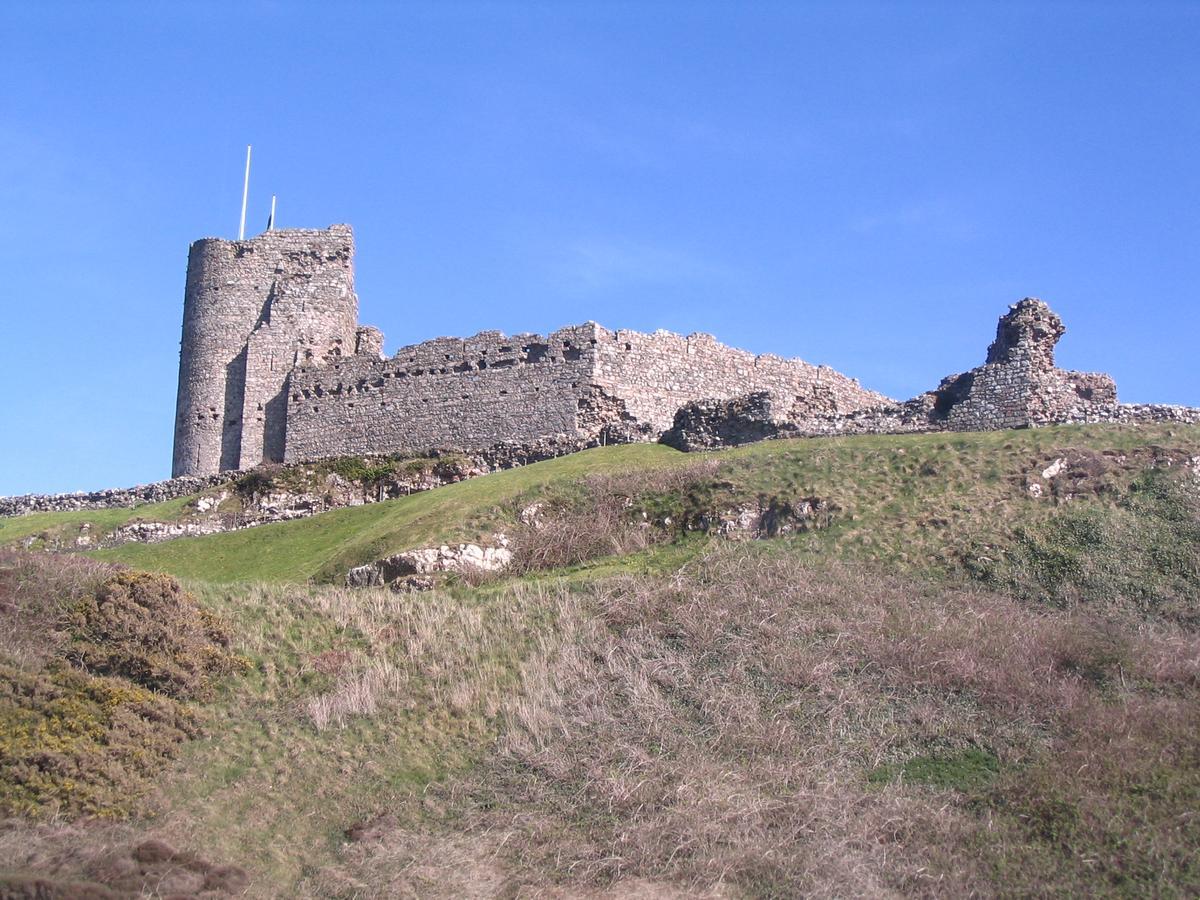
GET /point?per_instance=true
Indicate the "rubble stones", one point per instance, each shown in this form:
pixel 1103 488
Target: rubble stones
pixel 707 424
pixel 769 517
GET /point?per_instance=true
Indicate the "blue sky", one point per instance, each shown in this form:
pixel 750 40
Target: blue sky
pixel 864 185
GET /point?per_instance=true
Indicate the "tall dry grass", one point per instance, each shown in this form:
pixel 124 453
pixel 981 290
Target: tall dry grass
pixel 430 650
pixel 720 729
pixel 605 516
pixel 37 593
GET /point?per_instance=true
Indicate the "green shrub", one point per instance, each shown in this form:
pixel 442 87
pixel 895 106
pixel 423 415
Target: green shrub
pixel 71 742
pixel 256 481
pixel 146 628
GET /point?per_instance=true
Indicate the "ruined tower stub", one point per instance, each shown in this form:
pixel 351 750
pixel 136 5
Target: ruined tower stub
pixel 1026 334
pixel 252 311
pixel 1019 386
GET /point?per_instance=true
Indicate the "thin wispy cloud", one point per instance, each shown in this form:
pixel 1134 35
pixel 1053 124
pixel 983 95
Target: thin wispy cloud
pixel 938 218
pixel 593 264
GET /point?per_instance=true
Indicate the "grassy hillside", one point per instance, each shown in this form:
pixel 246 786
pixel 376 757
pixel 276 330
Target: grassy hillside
pixel 947 685
pixel 915 501
pixel 325 546
pixel 48 525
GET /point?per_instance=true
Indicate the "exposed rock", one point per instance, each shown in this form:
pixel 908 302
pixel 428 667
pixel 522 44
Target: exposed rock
pixel 154 532
pixel 709 424
pixel 768 518
pixel 411 569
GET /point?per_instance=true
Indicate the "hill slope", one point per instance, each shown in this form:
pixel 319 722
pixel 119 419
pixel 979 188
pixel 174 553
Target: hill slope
pixel 915 501
pixel 969 665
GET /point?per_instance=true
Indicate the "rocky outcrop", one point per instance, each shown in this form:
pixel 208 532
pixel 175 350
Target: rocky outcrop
pixel 768 517
pixel 414 569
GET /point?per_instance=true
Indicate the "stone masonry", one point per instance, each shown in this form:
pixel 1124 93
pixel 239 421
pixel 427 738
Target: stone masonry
pixel 274 367
pixel 253 310
pixel 1018 386
pixel 583 383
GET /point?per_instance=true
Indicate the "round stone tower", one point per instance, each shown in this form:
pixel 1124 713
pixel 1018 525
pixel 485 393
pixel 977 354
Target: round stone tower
pixel 252 310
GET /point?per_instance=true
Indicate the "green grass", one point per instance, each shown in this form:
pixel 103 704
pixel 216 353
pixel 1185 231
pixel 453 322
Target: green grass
pixel 324 547
pixel 919 503
pixel 970 770
pixel 102 521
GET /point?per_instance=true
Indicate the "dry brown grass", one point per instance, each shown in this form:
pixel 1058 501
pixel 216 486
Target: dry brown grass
pixel 603 516
pixel 754 725
pixel 434 649
pixel 720 730
pixel 37 593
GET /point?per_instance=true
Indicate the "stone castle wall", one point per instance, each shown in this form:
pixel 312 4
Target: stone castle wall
pixel 655 374
pixel 450 392
pixel 275 367
pixel 579 383
pixel 252 311
pixel 1018 386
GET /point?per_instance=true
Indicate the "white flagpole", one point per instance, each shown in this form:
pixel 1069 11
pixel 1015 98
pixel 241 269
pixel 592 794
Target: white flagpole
pixel 272 212
pixel 245 193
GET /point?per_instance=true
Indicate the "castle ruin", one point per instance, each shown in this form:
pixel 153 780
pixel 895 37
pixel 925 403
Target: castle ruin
pixel 274 367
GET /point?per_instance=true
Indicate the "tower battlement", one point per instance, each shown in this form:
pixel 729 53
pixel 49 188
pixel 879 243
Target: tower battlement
pixel 252 311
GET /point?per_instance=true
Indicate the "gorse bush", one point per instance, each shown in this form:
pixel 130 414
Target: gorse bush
pixel 94 665
pixel 72 743
pixel 146 628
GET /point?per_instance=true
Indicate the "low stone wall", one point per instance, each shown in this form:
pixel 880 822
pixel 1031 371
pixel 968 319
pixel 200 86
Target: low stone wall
pixel 112 498
pixel 1153 413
